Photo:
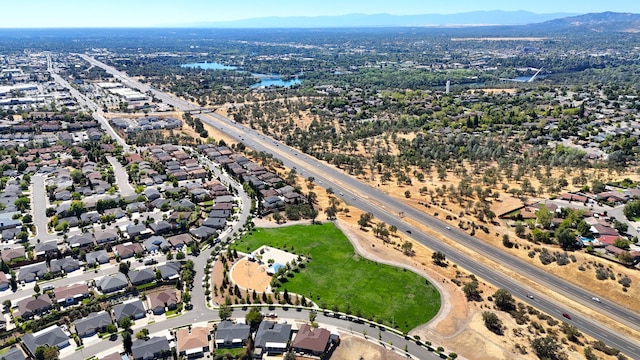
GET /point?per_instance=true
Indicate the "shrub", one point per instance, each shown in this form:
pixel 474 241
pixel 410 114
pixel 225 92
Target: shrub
pixel 625 281
pixel 546 258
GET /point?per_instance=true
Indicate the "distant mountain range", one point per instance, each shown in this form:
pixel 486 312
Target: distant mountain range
pixel 476 18
pixel 596 22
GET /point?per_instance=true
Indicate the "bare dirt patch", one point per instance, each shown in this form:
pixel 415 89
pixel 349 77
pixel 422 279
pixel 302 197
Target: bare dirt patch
pixel 352 347
pixel 250 275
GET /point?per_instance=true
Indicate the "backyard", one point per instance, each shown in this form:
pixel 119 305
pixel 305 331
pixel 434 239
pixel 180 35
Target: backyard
pixel 336 278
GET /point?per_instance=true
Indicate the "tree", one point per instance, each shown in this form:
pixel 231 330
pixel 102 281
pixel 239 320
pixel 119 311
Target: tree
pixel 492 322
pixel 225 312
pixel 363 222
pixel 253 318
pixel 186 297
pixel 566 239
pixel 632 209
pixel 123 268
pixel 439 258
pixel 547 348
pixel 22 203
pixel 618 225
pixel 289 356
pixel 125 323
pixel 504 300
pixel 506 242
pixel 471 291
pixel 544 216
pixel 330 212
pixel 127 342
pixel 142 334
pixel 407 248
pixel 520 229
pixel 572 332
pixel 36 288
pixel 47 353
pixel 621 243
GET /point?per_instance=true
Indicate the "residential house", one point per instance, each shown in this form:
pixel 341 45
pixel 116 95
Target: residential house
pixel 161 300
pixel 142 276
pixel 97 257
pixel 169 270
pixel 93 323
pixel 193 341
pixel 178 242
pixel 202 232
pixel 272 338
pixel 160 227
pixel 135 230
pixel 112 283
pixel 133 309
pixel 70 294
pixel 105 236
pixel 65 265
pixel 156 347
pixel 10 254
pixel 312 341
pixel 51 336
pixel 81 241
pixel 14 353
pixel 602 230
pixel 155 244
pixel 34 305
pixel 113 356
pixel 215 223
pixel 230 335
pixel 152 193
pixel 136 207
pixel 32 272
pixel 222 214
pixel 128 250
pixel 48 247
pixel 5 283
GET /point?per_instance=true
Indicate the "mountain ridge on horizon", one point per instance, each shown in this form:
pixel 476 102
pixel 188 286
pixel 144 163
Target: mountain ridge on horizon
pixel 473 18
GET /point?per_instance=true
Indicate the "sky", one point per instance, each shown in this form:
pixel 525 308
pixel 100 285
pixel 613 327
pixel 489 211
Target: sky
pixel 162 13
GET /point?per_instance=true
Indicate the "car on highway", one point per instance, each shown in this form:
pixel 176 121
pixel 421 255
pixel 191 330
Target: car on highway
pixel 408 231
pixel 596 299
pixel 448 227
pixel 530 296
pixel 566 315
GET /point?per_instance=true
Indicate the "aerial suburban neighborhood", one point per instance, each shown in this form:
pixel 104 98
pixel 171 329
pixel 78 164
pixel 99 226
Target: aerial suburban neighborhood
pixel 388 190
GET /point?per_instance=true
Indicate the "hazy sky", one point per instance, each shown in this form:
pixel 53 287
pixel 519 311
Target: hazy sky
pixel 149 13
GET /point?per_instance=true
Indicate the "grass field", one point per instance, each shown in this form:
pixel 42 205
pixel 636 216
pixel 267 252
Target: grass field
pixel 337 277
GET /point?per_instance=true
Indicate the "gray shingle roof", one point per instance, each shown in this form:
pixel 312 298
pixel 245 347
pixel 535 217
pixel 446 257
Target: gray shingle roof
pixel 132 309
pixel 68 264
pixel 143 276
pixel 270 331
pixel 149 349
pixel 227 332
pixel 92 323
pixel 100 256
pixel 112 283
pixel 51 336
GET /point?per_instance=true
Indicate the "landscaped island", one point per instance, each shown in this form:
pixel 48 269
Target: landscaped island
pixel 336 278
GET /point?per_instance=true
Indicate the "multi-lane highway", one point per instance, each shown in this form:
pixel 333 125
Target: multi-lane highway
pixel 385 208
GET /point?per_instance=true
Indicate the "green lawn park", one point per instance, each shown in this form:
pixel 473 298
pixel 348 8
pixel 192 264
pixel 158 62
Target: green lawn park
pixel 337 277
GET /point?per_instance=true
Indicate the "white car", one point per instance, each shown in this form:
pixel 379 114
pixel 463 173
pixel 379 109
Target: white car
pixel 596 299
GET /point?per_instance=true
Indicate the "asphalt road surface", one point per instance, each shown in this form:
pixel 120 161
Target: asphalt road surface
pixel 384 207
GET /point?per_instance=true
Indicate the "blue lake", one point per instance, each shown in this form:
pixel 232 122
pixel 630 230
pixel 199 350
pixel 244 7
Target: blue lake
pixel 265 80
pixel 276 81
pixel 209 66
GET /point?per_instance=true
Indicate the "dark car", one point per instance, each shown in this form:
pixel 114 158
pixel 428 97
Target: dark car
pixel 566 315
pixel 408 231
